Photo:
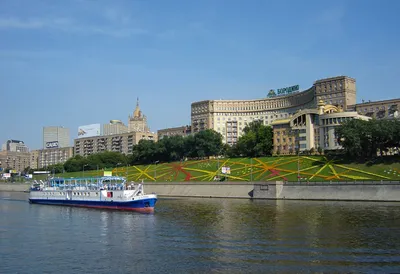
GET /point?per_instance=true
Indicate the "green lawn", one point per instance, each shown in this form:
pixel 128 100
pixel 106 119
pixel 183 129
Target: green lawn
pixel 307 168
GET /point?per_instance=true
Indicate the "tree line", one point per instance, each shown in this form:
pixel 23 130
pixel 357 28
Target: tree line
pixel 255 142
pixel 358 138
pixel 367 139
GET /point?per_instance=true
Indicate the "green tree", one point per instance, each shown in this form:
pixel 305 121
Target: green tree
pixel 257 140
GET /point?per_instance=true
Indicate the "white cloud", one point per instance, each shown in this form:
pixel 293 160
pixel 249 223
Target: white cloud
pixel 70 25
pixel 14 23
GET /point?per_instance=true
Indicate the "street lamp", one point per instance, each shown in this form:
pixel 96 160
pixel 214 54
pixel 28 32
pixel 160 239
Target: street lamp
pixel 155 170
pixel 118 164
pixel 83 169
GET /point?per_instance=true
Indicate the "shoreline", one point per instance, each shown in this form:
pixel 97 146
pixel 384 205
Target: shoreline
pixel 382 191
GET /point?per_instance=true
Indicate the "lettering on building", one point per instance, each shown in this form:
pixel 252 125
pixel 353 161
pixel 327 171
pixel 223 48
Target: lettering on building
pixel 53 144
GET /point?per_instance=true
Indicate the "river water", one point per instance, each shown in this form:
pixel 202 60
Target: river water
pixel 201 235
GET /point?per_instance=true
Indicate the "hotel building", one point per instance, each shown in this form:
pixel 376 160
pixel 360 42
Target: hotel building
pixel 229 117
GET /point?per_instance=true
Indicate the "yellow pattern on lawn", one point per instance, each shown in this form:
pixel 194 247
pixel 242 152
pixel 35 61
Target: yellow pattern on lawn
pixel 353 177
pixel 294 172
pixel 143 172
pixel 364 172
pixel 338 174
pixel 334 171
pixel 326 164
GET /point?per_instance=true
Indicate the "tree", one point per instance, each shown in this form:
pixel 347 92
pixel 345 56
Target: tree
pixel 319 149
pixel 257 140
pixel 361 138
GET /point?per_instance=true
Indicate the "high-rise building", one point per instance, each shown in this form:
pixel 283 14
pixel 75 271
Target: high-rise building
pixel 137 122
pixel 114 127
pixel 55 137
pixel 15 146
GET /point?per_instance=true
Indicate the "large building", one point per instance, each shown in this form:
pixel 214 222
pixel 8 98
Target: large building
pixel 137 122
pixel 13 160
pixel 34 159
pixel 55 137
pixel 15 146
pixel 174 131
pixel 311 129
pixel 118 142
pixel 385 109
pixel 47 157
pixel 114 127
pixel 229 117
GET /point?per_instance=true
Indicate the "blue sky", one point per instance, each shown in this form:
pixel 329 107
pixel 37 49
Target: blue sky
pixel 77 62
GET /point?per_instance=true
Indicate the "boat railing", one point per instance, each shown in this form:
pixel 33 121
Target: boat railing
pixel 93 183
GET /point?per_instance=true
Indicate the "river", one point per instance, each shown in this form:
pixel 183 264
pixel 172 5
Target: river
pixel 201 235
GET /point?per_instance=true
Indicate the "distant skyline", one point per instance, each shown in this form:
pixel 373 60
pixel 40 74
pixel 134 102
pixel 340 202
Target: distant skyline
pixel 77 62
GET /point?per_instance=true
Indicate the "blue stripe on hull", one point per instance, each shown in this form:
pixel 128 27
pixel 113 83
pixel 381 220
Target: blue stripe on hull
pixel 128 205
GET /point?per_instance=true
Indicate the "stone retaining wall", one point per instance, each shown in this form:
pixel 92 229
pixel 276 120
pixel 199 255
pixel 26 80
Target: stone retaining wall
pixel 371 191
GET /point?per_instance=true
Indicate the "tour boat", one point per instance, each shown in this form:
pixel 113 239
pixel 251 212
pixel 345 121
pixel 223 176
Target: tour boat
pixel 109 192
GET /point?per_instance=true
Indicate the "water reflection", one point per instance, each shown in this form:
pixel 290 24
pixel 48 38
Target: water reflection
pixel 202 235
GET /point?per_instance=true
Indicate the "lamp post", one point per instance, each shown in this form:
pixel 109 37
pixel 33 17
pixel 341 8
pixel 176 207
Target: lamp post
pixel 298 155
pixel 118 164
pixel 83 170
pixel 251 169
pixel 155 170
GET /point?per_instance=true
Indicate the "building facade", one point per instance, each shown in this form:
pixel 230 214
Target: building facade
pixel 55 137
pixel 114 127
pixel 52 156
pixel 229 117
pixel 33 162
pixel 174 131
pixel 14 160
pixel 311 129
pixel 118 142
pixel 386 109
pixel 137 122
pixel 15 146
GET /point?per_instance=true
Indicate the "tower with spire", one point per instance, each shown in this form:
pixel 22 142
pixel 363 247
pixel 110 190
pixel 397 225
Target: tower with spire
pixel 137 122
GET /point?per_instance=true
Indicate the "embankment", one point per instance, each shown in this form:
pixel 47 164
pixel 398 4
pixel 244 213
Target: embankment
pixel 8 187
pixel 341 191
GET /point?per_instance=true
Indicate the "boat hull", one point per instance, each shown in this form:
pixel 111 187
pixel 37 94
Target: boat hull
pixel 142 205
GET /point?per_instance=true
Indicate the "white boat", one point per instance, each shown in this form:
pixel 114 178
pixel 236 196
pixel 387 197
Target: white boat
pixel 102 192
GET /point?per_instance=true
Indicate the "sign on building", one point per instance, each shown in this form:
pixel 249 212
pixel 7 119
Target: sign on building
pixel 53 144
pixel 288 90
pixel 89 131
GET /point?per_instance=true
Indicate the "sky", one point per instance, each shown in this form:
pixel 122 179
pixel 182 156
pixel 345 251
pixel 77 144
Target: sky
pixel 79 62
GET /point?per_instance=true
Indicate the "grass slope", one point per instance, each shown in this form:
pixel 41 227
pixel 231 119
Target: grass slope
pixel 289 168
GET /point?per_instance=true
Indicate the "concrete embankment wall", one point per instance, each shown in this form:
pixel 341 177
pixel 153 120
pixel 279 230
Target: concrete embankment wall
pixel 14 187
pixel 368 191
pixel 202 189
